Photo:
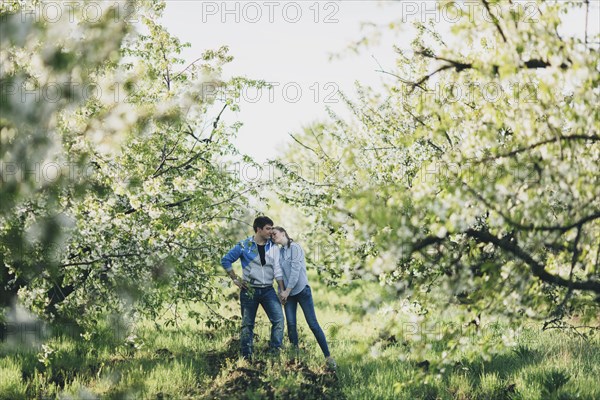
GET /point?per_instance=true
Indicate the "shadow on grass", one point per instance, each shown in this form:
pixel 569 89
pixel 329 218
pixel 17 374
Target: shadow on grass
pixel 105 356
pixel 117 370
pixel 204 364
pixel 389 377
pixel 504 365
pixel 363 376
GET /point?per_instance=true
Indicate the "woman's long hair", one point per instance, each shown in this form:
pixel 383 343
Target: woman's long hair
pixel 289 239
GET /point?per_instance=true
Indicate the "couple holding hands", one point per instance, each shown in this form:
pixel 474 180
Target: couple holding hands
pixel 272 254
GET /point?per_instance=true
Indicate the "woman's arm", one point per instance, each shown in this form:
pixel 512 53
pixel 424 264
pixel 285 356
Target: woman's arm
pixel 297 258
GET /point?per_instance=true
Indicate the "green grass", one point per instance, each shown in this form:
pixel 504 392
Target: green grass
pixel 375 361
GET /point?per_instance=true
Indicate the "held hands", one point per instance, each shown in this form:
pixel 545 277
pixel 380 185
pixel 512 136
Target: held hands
pixel 284 295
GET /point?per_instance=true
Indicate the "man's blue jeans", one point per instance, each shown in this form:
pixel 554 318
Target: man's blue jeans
pixel 304 298
pixel 267 298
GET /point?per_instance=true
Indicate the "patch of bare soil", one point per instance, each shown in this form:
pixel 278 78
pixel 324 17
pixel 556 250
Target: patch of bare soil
pixel 251 382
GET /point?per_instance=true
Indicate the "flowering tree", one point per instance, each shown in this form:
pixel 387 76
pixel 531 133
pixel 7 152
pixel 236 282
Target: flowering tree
pixel 112 152
pixel 473 174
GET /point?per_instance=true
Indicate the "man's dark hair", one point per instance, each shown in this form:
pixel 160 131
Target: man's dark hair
pixel 261 222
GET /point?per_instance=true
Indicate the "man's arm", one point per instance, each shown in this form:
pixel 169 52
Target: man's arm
pixel 277 271
pixel 281 290
pixel 281 285
pixel 232 256
pixel 238 282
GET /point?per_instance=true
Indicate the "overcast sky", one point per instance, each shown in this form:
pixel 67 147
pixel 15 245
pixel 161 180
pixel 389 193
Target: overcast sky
pixel 289 43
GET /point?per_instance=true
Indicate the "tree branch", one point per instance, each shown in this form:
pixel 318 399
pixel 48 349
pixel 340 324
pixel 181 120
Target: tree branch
pixel 536 268
pixel 312 131
pixel 165 157
pixel 538 144
pixel 495 20
pixel 216 122
pixel 186 68
pixel 197 156
pixel 305 146
pixel 177 203
pixel 532 227
pixel 587 14
pixel 168 74
pixel 407 82
pixel 460 66
pixel 104 257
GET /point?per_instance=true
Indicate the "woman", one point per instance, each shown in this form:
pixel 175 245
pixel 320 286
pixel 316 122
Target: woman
pixel 297 291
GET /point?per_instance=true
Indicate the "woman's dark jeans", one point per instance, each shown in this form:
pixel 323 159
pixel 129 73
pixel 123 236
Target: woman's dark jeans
pixel 304 298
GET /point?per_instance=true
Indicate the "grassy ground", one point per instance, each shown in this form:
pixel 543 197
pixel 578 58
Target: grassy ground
pixel 192 361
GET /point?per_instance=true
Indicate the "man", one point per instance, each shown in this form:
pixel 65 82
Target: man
pixel 260 265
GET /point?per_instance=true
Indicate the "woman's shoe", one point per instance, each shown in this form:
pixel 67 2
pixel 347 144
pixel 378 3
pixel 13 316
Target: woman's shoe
pixel 331 364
